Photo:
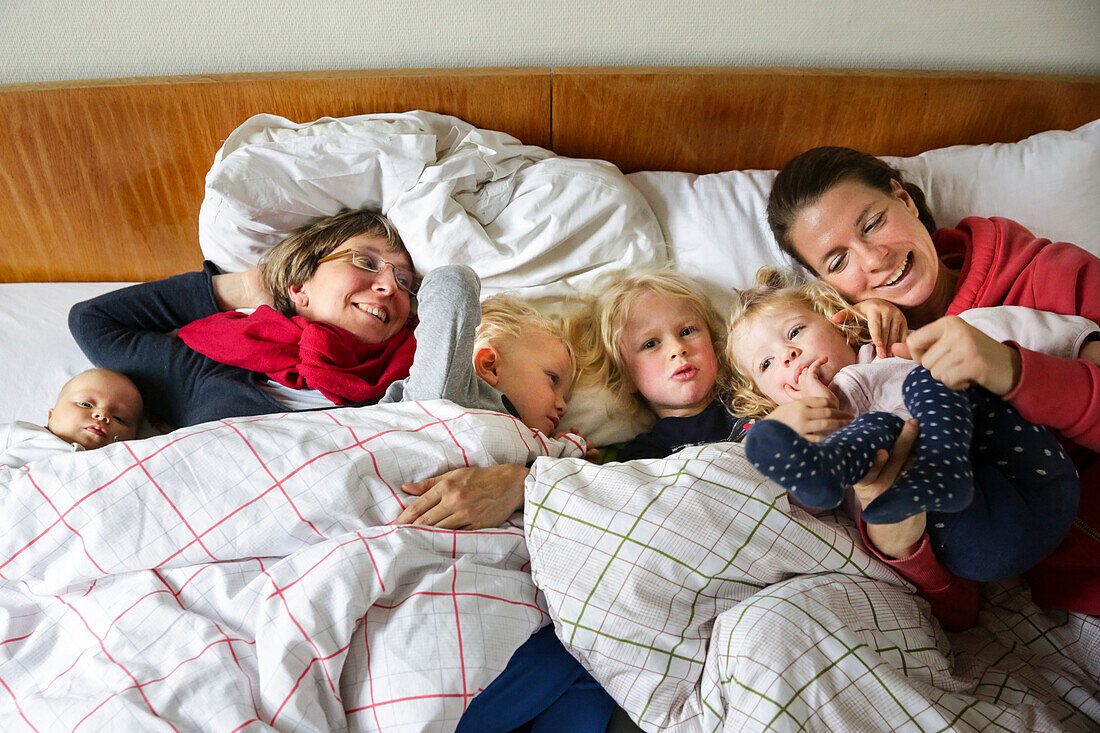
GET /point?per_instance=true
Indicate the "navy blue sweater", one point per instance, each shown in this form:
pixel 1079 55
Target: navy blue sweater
pixel 132 330
pixel 713 425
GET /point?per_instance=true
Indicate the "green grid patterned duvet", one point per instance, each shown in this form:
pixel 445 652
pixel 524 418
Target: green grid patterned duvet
pixel 702 600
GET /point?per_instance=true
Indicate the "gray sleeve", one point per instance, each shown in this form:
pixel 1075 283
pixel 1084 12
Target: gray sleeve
pixel 449 311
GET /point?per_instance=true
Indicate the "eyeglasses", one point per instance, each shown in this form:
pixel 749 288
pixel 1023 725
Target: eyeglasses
pixel 406 279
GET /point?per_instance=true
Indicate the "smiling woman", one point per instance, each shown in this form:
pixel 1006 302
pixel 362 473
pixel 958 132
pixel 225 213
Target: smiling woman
pixel 327 328
pixel 855 222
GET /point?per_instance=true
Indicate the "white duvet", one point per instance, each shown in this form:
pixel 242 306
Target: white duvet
pixel 241 575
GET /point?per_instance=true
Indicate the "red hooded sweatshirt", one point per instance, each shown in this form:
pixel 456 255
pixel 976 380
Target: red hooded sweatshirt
pixel 1005 264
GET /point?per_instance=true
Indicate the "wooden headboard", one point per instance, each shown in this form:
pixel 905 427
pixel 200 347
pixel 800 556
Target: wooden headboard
pixel 102 180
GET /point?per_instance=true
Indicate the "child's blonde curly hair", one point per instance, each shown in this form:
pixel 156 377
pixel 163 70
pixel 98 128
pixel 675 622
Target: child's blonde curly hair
pixel 777 288
pixel 596 334
pixel 505 319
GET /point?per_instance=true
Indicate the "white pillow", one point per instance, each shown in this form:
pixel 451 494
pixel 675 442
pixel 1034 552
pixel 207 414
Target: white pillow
pixel 38 352
pixel 1049 182
pixel 521 217
pixel 715 225
pixel 717 230
pixel 272 175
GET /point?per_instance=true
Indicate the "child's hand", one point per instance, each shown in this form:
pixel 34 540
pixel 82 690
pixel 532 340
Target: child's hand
pixel 813 418
pixel 591 454
pixel 885 322
pixel 903 538
pixel 811 385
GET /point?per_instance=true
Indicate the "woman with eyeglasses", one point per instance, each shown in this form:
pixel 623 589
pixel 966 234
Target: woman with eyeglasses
pixel 330 326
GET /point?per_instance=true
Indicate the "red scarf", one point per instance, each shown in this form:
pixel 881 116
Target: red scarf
pixel 299 353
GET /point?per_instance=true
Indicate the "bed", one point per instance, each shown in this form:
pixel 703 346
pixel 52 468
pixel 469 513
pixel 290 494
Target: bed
pixel 241 575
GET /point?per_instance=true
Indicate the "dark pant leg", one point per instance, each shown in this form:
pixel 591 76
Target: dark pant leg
pixel 544 686
pixel 1025 497
pixel 938 477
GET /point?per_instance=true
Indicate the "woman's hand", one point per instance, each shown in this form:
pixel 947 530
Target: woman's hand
pixel 903 538
pixel 960 355
pixel 813 418
pixel 466 498
pixel 233 290
pixel 885 322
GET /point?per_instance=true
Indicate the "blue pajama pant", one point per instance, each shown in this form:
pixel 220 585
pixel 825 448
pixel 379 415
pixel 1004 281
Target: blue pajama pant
pixel 543 690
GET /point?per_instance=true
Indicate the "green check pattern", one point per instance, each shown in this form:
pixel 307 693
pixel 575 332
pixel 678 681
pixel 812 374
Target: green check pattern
pixel 703 601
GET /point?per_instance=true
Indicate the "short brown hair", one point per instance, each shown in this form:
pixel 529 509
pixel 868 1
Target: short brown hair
pixel 808 176
pixel 775 288
pixel 293 261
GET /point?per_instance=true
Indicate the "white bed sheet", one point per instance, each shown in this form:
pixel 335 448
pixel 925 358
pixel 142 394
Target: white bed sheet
pixel 37 351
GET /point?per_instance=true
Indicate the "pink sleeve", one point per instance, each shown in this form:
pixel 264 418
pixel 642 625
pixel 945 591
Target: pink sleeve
pixel 1013 267
pixel 955 601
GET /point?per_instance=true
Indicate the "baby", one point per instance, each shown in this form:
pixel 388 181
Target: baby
pixel 94 408
pixel 654 337
pixel 786 349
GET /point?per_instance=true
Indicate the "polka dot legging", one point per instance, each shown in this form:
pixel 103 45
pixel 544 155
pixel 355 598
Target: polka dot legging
pixel 1000 490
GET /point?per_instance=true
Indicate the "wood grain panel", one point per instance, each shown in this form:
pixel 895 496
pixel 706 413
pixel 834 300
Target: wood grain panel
pixel 102 180
pixel 712 119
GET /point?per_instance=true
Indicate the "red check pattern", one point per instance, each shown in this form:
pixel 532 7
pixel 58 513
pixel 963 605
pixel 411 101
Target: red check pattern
pixel 242 574
pixel 703 600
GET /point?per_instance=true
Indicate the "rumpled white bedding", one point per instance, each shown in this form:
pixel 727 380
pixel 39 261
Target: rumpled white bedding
pixel 522 217
pixel 241 575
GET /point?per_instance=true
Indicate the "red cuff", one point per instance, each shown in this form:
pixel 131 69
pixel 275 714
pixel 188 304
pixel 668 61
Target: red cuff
pixel 922 568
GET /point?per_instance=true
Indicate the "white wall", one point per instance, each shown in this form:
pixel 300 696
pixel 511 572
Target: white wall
pixel 44 40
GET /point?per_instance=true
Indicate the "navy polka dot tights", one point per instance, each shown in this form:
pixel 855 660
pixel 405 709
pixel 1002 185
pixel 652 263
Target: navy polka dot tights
pixel 1000 491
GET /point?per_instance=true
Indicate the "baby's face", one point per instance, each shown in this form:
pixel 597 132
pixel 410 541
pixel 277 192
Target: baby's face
pixel 668 355
pixel 774 348
pixel 95 408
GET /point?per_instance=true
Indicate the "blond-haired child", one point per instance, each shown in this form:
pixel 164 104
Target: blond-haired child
pixel 501 355
pixel 93 409
pixel 785 348
pixel 505 356
pixel 654 337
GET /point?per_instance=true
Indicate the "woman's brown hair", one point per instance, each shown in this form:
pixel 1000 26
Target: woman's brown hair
pixel 293 261
pixel 806 177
